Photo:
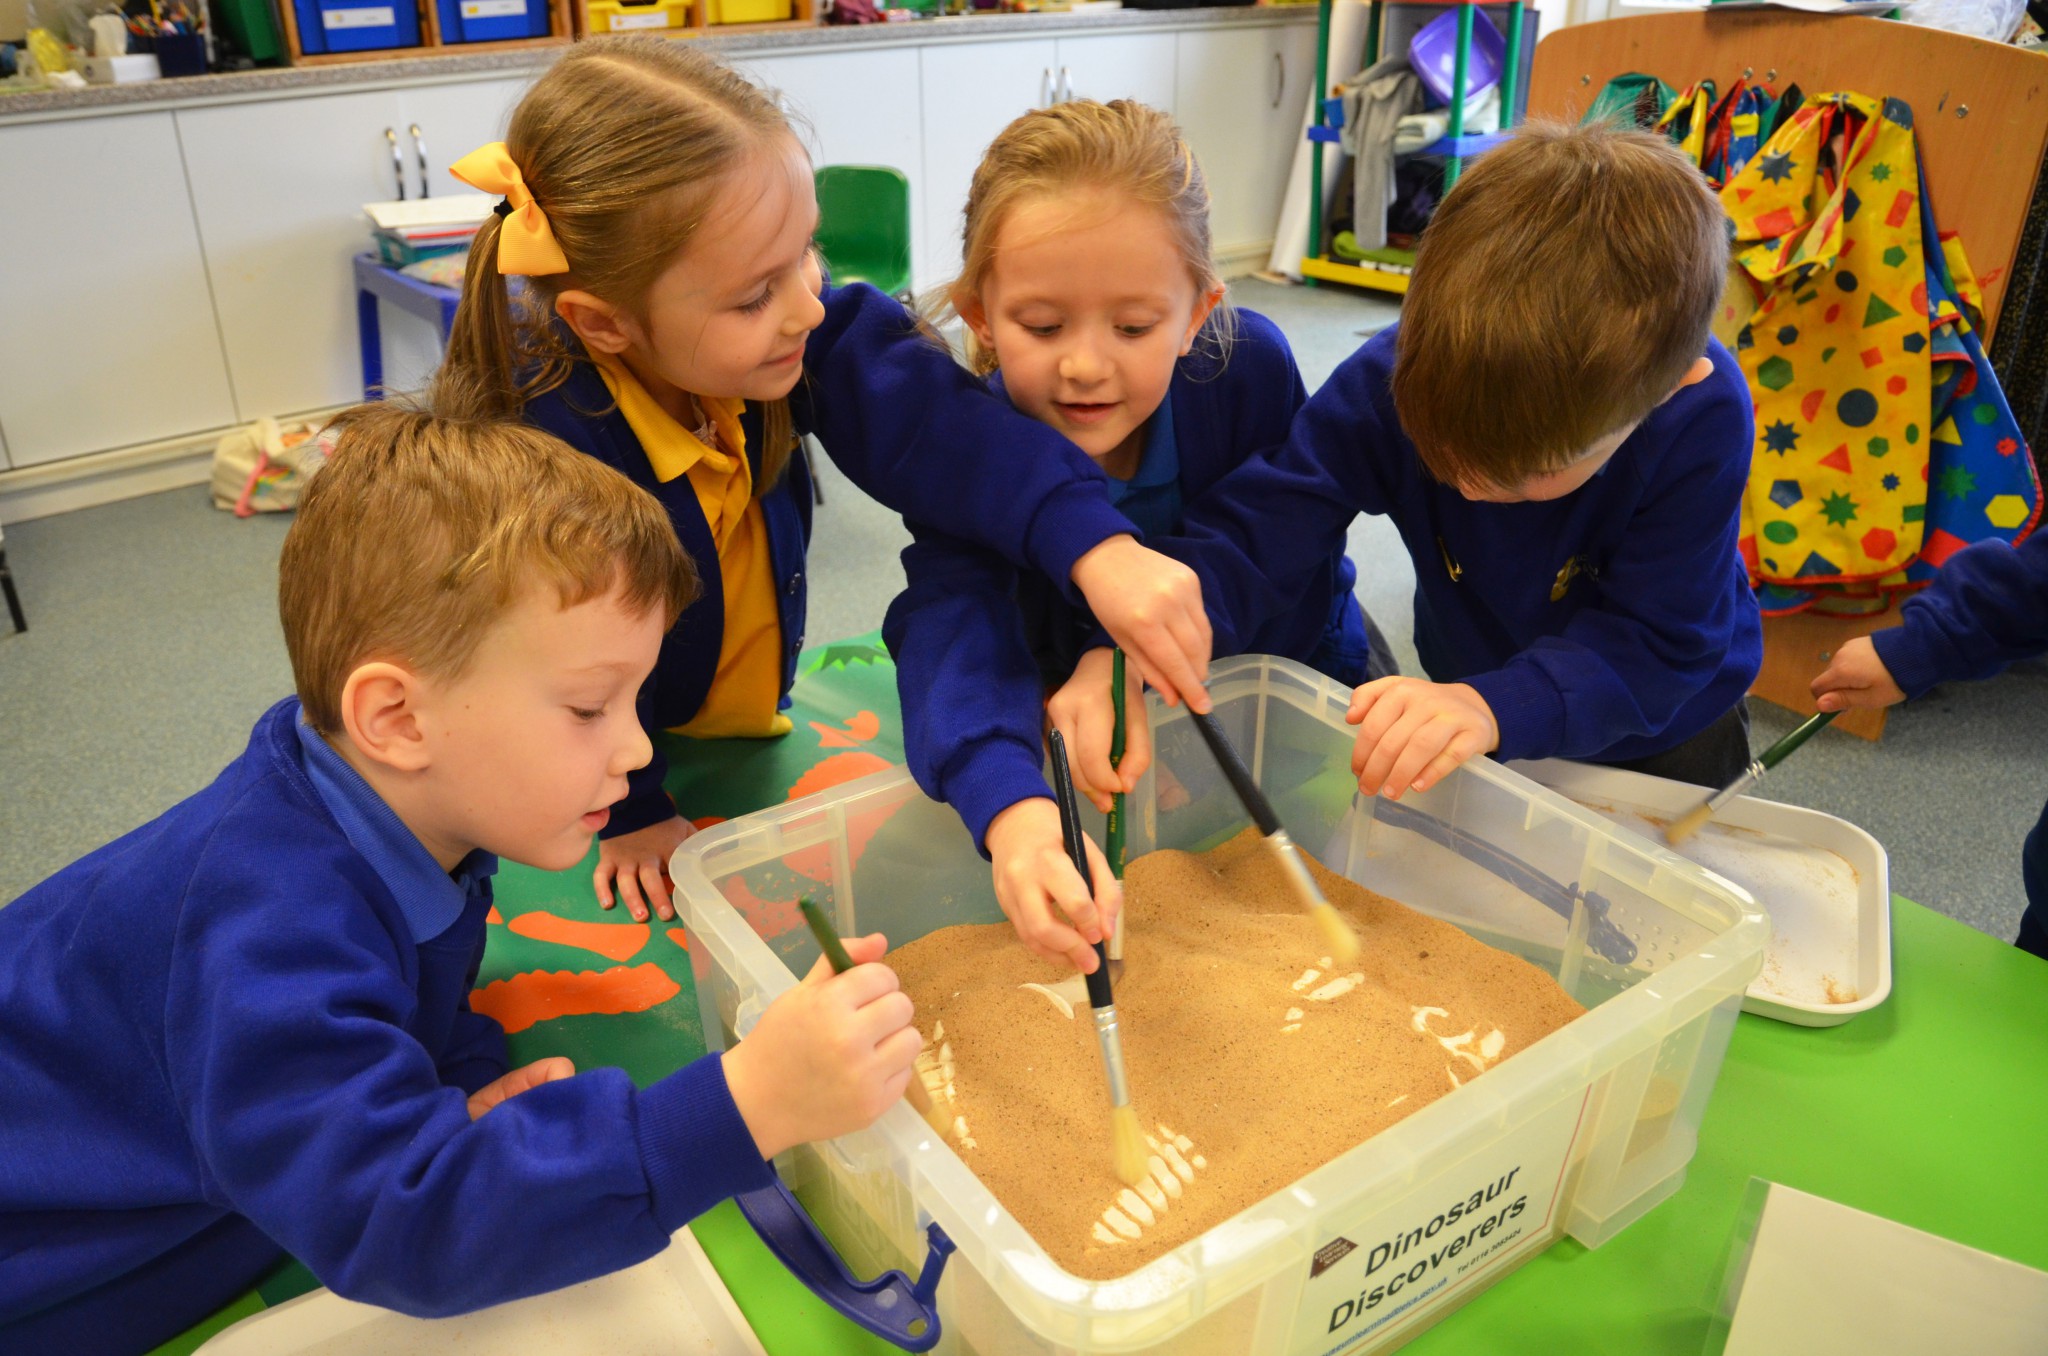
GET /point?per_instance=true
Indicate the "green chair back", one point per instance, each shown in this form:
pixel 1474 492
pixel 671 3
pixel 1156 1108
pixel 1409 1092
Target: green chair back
pixel 864 225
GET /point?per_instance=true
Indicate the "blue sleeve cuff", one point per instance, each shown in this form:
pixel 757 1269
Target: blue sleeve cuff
pixel 987 779
pixel 1071 523
pixel 1528 709
pixel 1910 655
pixel 473 1073
pixel 695 1144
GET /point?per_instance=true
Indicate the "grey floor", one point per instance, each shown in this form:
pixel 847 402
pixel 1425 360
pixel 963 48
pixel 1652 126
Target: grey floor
pixel 154 646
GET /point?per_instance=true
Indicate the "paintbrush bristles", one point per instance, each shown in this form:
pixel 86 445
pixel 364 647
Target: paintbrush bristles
pixel 1337 933
pixel 1130 1147
pixel 1695 819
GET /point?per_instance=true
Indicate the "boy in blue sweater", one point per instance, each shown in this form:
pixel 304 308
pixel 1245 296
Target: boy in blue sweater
pixel 243 1030
pixel 1987 608
pixel 1562 446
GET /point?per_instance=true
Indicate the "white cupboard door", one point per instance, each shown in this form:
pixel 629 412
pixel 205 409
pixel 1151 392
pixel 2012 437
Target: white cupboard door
pixel 453 121
pixel 278 189
pixel 110 337
pixel 1109 66
pixel 1240 94
pixel 972 90
pixel 855 108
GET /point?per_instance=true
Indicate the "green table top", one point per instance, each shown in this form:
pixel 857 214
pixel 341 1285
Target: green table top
pixel 1918 1110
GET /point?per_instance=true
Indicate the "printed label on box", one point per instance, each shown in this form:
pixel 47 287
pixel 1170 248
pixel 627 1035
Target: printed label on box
pixel 1463 1223
pixel 493 9
pixel 370 16
pixel 658 19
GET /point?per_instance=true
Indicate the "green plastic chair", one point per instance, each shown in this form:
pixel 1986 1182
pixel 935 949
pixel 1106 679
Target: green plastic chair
pixel 864 225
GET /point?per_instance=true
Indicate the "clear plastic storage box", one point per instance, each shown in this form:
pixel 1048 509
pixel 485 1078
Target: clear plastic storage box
pixel 1580 1134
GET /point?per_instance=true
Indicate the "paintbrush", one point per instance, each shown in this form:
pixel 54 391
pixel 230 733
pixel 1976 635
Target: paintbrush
pixel 1113 832
pixel 835 956
pixel 1696 818
pixel 1337 933
pixel 1128 1138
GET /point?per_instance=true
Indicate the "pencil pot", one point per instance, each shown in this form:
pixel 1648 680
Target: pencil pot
pixel 1592 1126
pixel 181 53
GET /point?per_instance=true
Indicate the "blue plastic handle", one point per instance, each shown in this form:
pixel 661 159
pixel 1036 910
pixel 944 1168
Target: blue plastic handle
pixel 889 1306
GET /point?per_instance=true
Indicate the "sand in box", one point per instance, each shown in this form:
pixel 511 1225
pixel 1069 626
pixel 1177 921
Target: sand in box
pixel 1253 1060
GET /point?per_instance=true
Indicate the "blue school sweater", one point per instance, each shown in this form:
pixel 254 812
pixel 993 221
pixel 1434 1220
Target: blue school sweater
pixel 978 643
pixel 907 425
pixel 1986 608
pixel 228 1012
pixel 1611 624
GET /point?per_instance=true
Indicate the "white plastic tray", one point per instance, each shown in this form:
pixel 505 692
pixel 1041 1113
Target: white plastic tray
pixel 1825 883
pixel 673 1304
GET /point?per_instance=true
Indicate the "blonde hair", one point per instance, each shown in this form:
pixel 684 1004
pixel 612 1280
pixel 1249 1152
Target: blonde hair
pixel 1121 147
pixel 420 531
pixel 623 143
pixel 1561 292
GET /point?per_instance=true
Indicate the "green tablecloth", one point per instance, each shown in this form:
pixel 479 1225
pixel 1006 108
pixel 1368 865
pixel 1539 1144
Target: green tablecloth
pixel 1925 1110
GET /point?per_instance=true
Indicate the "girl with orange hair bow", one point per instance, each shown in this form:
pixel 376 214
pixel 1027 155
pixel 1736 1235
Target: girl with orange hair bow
pixel 673 322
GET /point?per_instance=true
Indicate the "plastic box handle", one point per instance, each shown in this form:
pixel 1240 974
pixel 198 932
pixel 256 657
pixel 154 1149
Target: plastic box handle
pixel 889 1306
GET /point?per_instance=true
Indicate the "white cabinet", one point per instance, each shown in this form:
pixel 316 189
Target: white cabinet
pixel 1240 93
pixel 278 190
pixel 974 90
pixel 1109 66
pixel 855 108
pixel 109 337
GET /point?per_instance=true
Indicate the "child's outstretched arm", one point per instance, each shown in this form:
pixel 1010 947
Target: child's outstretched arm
pixel 972 723
pixel 1258 536
pixel 911 427
pixel 1987 608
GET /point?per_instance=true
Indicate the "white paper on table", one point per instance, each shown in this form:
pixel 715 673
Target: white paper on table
pixel 1823 1279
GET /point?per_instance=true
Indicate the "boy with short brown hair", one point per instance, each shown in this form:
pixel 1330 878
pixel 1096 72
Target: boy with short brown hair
pixel 243 1030
pixel 1563 447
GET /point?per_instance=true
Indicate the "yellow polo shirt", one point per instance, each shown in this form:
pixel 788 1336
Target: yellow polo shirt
pixel 748 685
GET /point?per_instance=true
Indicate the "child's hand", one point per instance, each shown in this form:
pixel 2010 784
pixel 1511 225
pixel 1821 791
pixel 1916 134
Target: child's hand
pixel 637 863
pixel 1082 713
pixel 1036 883
pixel 1412 732
pixel 518 1081
pixel 827 1057
pixel 1152 606
pixel 1855 679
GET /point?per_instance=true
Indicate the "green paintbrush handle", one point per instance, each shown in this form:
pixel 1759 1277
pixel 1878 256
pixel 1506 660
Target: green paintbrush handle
pixel 1778 752
pixel 1113 834
pixel 828 939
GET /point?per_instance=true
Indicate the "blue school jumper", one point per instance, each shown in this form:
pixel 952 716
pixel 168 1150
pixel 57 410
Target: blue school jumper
pixel 1987 608
pixel 978 643
pixel 907 425
pixel 243 1030
pixel 1611 624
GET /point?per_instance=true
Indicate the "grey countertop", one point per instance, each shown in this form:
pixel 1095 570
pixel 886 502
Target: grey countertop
pixel 284 82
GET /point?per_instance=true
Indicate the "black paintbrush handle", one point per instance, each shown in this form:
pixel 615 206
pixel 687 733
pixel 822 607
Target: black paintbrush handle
pixel 1239 776
pixel 1100 995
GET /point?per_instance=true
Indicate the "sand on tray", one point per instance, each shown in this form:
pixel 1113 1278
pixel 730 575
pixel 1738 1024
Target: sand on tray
pixel 1252 1059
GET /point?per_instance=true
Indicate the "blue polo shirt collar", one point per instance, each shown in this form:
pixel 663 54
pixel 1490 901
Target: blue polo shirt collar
pixel 431 899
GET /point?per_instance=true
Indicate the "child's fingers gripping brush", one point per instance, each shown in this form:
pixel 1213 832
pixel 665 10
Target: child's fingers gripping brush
pixel 1337 933
pixel 1696 818
pixel 835 956
pixel 1129 1139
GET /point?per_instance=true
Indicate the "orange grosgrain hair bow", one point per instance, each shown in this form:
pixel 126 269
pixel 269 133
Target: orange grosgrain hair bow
pixel 526 244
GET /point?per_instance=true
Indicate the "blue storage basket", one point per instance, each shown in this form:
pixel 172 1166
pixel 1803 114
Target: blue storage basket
pixel 492 20
pixel 356 25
